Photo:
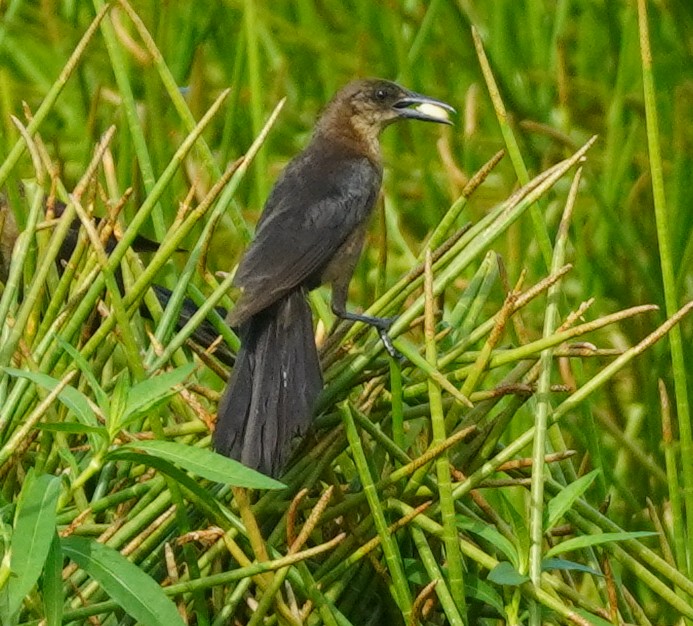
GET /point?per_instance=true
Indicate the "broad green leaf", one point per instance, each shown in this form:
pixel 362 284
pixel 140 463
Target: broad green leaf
pixel 490 534
pixel 203 463
pixel 415 572
pixel 99 393
pixel 479 589
pixel 184 480
pixel 72 398
pixel 52 584
pixel 557 506
pixel 517 521
pixel 562 564
pixel 117 412
pixel 591 618
pixel 34 530
pixel 505 574
pixel 6 618
pixel 149 394
pixel 74 428
pixel 138 594
pixel 586 541
pixel 142 394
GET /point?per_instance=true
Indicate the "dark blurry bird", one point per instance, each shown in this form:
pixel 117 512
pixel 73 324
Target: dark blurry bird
pixel 311 232
pixel 204 334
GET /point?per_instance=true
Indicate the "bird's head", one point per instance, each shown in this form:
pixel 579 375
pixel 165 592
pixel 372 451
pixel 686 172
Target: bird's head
pixel 382 102
pixel 367 106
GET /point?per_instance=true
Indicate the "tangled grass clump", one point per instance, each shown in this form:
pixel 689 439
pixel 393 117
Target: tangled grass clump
pixel 437 488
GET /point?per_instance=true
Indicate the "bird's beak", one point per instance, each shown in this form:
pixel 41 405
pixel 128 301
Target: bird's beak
pixel 418 107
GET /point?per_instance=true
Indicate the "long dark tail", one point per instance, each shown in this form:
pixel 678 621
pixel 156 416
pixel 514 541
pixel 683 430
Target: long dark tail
pixel 272 391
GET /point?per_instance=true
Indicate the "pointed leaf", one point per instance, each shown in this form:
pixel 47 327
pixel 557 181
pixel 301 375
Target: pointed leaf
pixel 183 479
pixel 415 572
pixel 52 584
pixel 72 398
pixel 591 618
pixel 561 503
pixel 490 534
pixel 34 529
pixel 138 594
pixel 147 395
pixel 142 394
pixel 562 564
pixel 585 541
pixel 518 523
pixel 117 411
pixel 505 574
pixel 74 428
pixel 480 590
pixel 203 463
pixel 99 393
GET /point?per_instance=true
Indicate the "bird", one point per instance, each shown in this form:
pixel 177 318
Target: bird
pixel 310 233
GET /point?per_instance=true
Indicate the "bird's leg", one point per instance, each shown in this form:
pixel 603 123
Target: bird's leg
pixel 381 324
pixel 340 286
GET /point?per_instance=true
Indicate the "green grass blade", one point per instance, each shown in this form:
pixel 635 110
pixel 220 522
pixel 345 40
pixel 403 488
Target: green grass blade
pixel 668 278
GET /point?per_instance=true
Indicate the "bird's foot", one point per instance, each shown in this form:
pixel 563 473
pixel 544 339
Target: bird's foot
pixel 387 343
pixel 381 324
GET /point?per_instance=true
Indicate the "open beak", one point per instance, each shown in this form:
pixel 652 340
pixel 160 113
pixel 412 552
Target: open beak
pixel 418 107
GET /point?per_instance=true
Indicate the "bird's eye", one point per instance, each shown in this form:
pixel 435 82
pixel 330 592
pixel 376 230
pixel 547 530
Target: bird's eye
pixel 380 94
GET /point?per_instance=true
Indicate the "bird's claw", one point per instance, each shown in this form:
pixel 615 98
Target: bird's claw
pixel 387 344
pixel 381 324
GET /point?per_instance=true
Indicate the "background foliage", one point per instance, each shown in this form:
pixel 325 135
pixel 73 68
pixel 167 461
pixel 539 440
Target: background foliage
pixel 566 71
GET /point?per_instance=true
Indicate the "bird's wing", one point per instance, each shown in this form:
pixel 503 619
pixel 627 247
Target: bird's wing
pixel 313 208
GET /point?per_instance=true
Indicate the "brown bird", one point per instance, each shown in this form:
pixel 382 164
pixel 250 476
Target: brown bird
pixel 310 233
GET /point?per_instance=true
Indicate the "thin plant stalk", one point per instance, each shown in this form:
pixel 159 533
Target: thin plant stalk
pixel 390 548
pixel 447 504
pixel 120 69
pixel 668 279
pixel 49 101
pixel 543 409
pixel 540 231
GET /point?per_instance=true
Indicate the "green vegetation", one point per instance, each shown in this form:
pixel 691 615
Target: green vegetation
pixel 530 461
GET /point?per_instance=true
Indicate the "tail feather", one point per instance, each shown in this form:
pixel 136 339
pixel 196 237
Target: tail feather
pixel 272 391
